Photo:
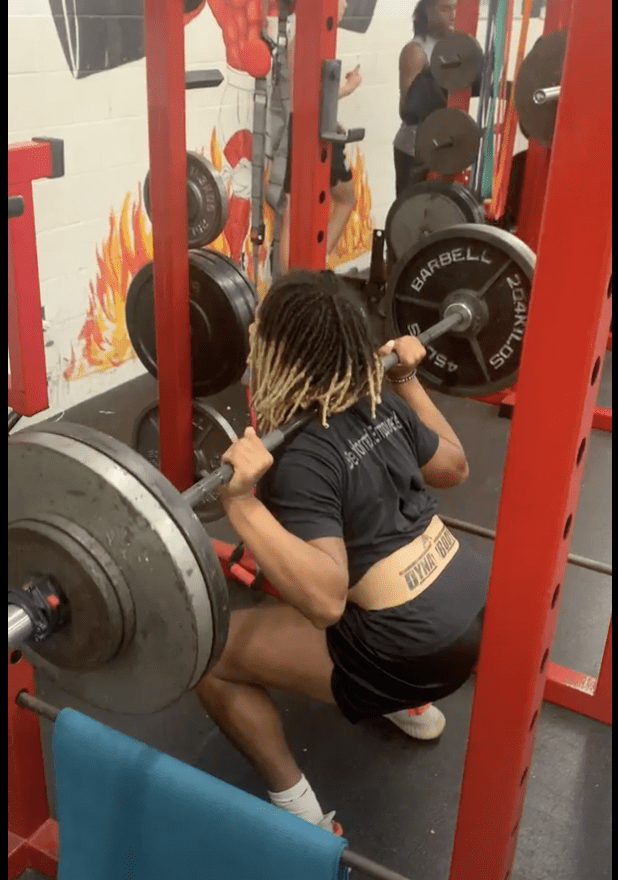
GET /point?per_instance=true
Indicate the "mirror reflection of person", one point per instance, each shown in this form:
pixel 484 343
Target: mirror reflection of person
pixel 419 93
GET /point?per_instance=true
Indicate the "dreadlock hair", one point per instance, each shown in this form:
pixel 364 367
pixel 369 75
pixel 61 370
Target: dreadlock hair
pixel 311 346
pixel 420 20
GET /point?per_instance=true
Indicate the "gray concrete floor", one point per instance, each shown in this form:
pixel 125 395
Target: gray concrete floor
pixel 397 799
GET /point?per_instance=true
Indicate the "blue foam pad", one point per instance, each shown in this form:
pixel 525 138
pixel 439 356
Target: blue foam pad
pixel 128 812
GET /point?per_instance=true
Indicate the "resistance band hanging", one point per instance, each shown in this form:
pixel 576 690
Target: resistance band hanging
pixel 280 110
pixel 484 92
pixel 505 158
pixel 486 176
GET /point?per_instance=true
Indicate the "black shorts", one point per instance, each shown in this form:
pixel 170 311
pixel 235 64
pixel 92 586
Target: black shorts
pixel 339 169
pixel 384 661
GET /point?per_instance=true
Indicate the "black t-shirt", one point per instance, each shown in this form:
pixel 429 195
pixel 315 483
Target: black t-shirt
pixel 359 480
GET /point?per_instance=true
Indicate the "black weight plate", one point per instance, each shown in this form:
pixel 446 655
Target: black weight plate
pixel 447 141
pixel 207 205
pixel 425 208
pixel 239 289
pixel 212 436
pixel 540 69
pixel 456 61
pixel 221 307
pixel 486 262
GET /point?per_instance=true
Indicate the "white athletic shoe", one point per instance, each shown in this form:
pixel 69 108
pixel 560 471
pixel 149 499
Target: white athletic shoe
pixel 429 724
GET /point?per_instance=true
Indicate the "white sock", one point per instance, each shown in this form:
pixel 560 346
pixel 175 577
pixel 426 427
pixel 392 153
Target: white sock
pixel 300 800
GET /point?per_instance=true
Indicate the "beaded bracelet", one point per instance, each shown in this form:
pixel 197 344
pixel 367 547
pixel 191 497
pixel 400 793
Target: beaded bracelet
pixel 403 378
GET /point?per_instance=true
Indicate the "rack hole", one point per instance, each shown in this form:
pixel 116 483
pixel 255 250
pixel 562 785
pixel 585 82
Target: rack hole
pixel 533 722
pixel 524 776
pixel 323 154
pixel 545 659
pixel 595 371
pixel 554 598
pixel 322 197
pixel 15 657
pixel 320 237
pixel 567 526
pixel 329 23
pixel 581 450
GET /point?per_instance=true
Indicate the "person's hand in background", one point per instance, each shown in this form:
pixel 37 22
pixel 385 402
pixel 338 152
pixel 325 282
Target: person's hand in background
pixel 352 81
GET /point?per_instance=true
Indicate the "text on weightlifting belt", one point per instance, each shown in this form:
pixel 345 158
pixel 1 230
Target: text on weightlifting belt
pixel 405 574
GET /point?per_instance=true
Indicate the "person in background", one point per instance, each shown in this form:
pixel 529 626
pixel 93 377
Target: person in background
pixel 341 183
pixel 419 93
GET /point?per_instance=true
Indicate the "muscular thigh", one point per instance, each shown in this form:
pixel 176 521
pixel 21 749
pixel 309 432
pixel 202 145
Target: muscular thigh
pixel 279 648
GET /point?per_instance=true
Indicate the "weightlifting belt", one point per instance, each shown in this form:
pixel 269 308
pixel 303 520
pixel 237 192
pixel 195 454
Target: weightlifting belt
pixel 407 572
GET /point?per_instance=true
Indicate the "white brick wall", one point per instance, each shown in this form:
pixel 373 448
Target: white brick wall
pixel 102 120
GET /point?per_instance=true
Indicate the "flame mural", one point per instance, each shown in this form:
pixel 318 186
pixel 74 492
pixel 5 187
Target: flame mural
pixel 356 238
pixel 103 342
pixel 104 339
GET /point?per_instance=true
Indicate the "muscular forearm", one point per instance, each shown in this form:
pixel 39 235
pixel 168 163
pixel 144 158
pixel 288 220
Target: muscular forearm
pixel 417 399
pixel 303 575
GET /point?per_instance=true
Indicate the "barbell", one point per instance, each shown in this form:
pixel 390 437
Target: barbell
pixel 114 579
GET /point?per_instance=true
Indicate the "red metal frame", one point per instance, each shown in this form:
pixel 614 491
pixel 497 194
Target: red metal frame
pixel 583 693
pixel 27 382
pixel 316 20
pixel 532 538
pixel 601 419
pixel 165 81
pixel 33 836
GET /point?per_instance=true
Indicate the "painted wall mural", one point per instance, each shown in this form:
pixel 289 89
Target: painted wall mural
pixel 103 342
pixel 93 44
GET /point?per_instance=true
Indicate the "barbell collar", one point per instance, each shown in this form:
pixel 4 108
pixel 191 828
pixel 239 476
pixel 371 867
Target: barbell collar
pixel 21 627
pixel 464 311
pixel 542 96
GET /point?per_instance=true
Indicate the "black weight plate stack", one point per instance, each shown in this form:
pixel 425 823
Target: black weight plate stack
pixel 222 304
pixel 428 207
pixel 483 262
